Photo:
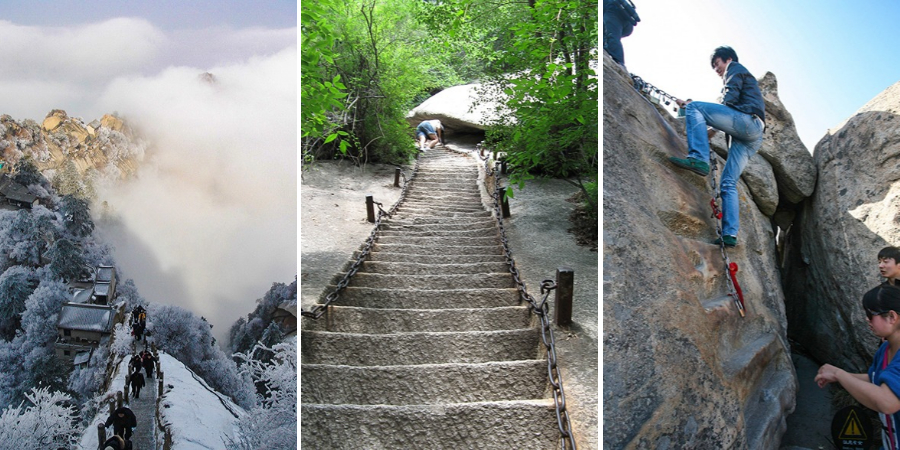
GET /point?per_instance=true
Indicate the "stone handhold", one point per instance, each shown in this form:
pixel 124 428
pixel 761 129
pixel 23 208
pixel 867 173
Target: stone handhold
pixel 851 216
pixel 791 161
pixel 681 367
pixel 454 108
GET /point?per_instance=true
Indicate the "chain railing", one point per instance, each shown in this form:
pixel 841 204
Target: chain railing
pixel 319 309
pixel 542 310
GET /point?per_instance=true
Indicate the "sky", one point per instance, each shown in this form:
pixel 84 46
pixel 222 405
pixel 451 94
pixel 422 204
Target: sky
pixel 211 221
pixel 830 57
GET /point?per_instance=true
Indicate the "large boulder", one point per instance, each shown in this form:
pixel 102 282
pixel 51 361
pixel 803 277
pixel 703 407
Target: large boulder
pixel 854 212
pixel 461 109
pixel 782 148
pixel 681 367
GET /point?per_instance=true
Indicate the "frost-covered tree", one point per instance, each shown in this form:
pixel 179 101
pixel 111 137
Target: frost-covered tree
pixel 122 340
pixel 28 235
pixel 65 260
pixel 245 333
pixel 273 422
pixel 26 173
pixel 76 215
pixel 45 420
pixel 188 338
pixel 16 284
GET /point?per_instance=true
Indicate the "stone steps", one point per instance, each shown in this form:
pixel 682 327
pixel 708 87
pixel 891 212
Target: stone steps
pixel 429 346
pixel 431 249
pixel 352 349
pixel 467 241
pixel 425 384
pixel 366 297
pixel 519 424
pixel 405 268
pixel 434 259
pixel 353 319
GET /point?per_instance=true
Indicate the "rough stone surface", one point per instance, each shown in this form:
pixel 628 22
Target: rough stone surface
pixel 790 159
pixel 61 139
pixel 682 369
pixel 453 106
pixel 851 216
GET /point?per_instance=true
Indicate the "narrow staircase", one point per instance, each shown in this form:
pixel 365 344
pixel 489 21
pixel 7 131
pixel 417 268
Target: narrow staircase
pixel 428 346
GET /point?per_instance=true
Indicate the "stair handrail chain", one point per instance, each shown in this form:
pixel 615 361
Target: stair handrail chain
pixel 542 310
pixel 319 309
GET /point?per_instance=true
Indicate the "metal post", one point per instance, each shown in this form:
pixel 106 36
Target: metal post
pixel 101 435
pixel 565 286
pixel 504 202
pixel 370 209
pixel 397 177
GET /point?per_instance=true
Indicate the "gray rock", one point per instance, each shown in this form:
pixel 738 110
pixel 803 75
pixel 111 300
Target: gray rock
pixel 462 109
pixel 850 217
pixel 681 367
pixel 791 161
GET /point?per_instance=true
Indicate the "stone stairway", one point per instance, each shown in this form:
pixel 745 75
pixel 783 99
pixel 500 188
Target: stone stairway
pixel 428 346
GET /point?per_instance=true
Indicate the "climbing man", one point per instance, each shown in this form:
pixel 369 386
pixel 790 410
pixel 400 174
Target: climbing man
pixel 137 382
pixel 619 19
pixel 887 265
pixel 741 114
pixel 147 360
pixel 433 130
pixel 122 421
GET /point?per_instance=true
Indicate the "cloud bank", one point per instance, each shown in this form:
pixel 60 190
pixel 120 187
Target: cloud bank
pixel 211 221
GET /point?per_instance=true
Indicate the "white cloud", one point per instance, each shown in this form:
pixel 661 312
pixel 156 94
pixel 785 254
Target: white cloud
pixel 216 200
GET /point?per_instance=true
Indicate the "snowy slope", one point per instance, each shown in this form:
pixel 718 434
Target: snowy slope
pixel 200 417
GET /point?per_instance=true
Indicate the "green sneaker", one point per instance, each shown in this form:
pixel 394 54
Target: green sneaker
pixel 694 165
pixel 730 241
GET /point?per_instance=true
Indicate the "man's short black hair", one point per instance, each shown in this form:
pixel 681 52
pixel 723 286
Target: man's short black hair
pixel 890 252
pixel 723 52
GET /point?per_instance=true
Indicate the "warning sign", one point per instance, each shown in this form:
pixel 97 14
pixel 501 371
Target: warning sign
pixel 851 429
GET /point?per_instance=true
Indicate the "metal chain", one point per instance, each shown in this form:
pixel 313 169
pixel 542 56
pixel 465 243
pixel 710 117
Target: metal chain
pixel 650 90
pixel 542 310
pixel 717 215
pixel 319 309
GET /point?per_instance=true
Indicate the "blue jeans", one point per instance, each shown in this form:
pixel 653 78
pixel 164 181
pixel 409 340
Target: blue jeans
pixel 746 137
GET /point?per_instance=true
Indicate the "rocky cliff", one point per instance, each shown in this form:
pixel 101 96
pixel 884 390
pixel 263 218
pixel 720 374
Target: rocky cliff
pixel 63 147
pixel 853 213
pixel 682 368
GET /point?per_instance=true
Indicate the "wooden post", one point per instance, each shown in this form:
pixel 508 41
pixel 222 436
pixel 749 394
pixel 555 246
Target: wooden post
pixel 112 406
pixel 118 399
pixel 167 442
pixel 127 384
pixel 565 285
pixel 153 346
pixel 370 209
pixel 397 177
pixel 504 202
pixel 101 435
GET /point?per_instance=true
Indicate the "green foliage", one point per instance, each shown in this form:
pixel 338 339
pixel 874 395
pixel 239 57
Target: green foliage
pixel 549 120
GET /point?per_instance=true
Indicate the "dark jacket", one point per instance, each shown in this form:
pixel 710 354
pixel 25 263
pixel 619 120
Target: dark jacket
pixel 128 421
pixel 741 91
pixel 137 380
pixel 115 442
pixel 148 360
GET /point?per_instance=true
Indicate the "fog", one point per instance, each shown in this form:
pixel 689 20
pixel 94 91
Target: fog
pixel 211 220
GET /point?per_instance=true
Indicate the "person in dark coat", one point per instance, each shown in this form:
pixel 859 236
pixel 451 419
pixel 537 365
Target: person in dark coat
pixel 137 382
pixel 115 443
pixel 136 363
pixel 147 361
pixel 122 421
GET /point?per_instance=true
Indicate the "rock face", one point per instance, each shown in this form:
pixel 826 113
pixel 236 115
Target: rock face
pixel 791 161
pixel 107 147
pixel 453 106
pixel 854 213
pixel 682 368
